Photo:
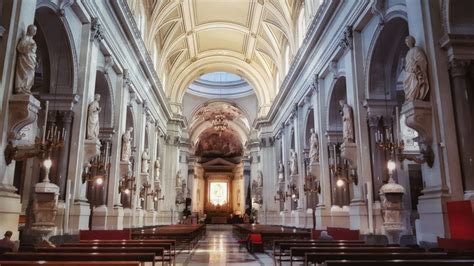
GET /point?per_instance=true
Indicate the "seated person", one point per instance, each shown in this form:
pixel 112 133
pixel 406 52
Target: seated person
pixel 7 243
pixel 325 236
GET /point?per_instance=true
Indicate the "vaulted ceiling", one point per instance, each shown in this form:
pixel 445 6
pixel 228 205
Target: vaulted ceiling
pixel 244 37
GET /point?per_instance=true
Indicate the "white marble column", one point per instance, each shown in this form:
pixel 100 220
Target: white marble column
pixel 21 15
pixel 79 208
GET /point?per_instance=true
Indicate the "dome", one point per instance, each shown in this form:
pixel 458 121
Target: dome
pixel 220 85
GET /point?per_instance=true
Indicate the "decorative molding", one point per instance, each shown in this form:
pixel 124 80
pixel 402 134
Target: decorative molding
pixel 378 9
pixel 458 67
pixel 97 33
pixel 63 4
pixel 346 41
pixel 108 63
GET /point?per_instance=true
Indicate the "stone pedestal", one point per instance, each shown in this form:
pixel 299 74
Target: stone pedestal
pixel 323 217
pixel 358 217
pixel 79 217
pixel 151 218
pixel 340 216
pixel 127 218
pixel 432 207
pixel 45 208
pixel 59 221
pixel 99 218
pixel 391 195
pixel 115 218
pixel 138 218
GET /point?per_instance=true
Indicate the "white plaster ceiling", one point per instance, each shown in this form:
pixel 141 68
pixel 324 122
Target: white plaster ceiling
pixel 244 37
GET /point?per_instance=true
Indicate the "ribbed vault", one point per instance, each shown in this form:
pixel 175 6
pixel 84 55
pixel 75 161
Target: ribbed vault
pixel 245 37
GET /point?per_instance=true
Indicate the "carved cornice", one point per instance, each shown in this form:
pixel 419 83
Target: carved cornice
pixel 97 33
pixel 346 40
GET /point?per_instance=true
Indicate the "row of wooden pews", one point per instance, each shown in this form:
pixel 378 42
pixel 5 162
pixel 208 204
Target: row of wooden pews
pixel 113 247
pixel 185 235
pixel 352 252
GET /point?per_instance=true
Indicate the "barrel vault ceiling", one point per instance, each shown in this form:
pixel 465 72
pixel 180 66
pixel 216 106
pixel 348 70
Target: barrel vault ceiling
pixel 244 37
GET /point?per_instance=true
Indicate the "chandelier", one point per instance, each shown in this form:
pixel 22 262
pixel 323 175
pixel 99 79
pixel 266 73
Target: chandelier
pixel 219 122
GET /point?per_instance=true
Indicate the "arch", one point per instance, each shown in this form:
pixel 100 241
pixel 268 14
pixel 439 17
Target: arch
pixel 458 17
pixel 103 87
pixel 386 55
pixel 338 92
pixel 56 56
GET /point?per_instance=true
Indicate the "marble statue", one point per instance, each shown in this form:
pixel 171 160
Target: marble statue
pixel 260 178
pixel 145 161
pixel 157 169
pixel 293 163
pixel 93 119
pixel 127 144
pixel 416 84
pixel 314 147
pixel 26 62
pixel 281 172
pixel 179 179
pixel 347 122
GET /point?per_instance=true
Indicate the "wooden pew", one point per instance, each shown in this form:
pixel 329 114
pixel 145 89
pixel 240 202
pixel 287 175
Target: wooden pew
pixel 185 234
pixel 63 257
pixel 159 252
pixel 321 257
pixel 165 250
pixel 282 247
pixel 301 251
pixel 425 262
pixel 69 263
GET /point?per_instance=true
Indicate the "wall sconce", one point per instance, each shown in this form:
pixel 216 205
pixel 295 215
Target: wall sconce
pixel 294 194
pixel 280 196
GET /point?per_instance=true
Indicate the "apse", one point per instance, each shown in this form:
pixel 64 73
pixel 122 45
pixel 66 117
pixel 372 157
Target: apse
pixel 213 144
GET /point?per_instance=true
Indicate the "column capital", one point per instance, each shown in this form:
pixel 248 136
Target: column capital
pixel 458 67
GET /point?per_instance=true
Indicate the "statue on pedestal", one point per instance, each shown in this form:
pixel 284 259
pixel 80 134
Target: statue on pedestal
pixel 145 161
pixel 93 119
pixel 179 179
pixel 157 169
pixel 281 172
pixel 347 122
pixel 293 163
pixel 416 84
pixel 127 144
pixel 25 62
pixel 314 147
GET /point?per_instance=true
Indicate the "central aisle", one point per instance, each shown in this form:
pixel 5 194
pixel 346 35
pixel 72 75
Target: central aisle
pixel 219 247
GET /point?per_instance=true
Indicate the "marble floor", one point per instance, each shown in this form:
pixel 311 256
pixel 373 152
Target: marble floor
pixel 219 247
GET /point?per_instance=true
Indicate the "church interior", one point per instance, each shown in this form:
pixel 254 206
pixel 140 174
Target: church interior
pixel 222 132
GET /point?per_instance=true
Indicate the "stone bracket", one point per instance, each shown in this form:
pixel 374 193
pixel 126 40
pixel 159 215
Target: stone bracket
pixel 91 150
pixel 349 152
pixel 418 116
pixel 22 118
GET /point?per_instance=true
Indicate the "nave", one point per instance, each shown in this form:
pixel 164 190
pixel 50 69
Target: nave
pixel 221 247
pixel 155 118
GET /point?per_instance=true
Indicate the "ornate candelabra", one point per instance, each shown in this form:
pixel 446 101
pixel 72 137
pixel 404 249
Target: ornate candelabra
pixel 280 196
pixel 339 167
pixel 294 193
